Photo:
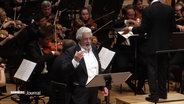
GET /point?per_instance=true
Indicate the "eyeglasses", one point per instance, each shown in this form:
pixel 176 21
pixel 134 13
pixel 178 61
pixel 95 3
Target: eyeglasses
pixel 85 39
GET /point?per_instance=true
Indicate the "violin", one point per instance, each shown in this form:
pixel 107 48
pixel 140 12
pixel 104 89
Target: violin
pixel 95 42
pixel 15 23
pixel 3 34
pixel 52 47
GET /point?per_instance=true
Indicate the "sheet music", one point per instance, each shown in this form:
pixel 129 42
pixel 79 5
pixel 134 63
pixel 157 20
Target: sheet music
pixel 126 36
pixel 25 69
pixel 105 56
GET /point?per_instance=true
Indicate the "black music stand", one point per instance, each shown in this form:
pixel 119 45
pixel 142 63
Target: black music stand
pixel 108 80
pixel 135 38
pixel 167 52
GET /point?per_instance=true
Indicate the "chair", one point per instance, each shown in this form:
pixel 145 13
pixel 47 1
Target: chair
pixel 36 99
pixel 60 93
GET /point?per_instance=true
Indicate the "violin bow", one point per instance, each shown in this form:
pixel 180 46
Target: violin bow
pixel 55 35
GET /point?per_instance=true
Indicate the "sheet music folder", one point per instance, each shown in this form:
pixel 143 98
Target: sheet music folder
pixel 116 79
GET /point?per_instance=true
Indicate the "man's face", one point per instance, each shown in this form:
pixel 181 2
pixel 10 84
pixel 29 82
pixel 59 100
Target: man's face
pixel 44 42
pixel 42 22
pixel 178 10
pixel 130 14
pixel 46 11
pixel 3 16
pixel 85 42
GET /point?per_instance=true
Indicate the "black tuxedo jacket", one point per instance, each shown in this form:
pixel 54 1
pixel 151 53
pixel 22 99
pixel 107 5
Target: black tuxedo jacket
pixel 33 53
pixel 158 23
pixel 79 75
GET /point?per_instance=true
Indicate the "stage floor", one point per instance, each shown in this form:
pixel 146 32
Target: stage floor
pixel 125 97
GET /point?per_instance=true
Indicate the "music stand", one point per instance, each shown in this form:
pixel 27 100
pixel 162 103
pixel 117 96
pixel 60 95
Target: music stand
pixel 108 80
pixel 135 42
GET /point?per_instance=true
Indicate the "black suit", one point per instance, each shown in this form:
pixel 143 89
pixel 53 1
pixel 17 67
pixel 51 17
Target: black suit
pixel 37 80
pixel 77 78
pixel 61 88
pixel 158 22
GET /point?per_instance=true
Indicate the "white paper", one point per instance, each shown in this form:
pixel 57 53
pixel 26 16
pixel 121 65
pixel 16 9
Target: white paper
pixel 25 69
pixel 105 56
pixel 120 32
pixel 127 35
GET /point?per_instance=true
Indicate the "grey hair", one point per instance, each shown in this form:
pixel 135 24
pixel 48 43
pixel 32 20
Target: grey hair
pixel 46 4
pixel 82 30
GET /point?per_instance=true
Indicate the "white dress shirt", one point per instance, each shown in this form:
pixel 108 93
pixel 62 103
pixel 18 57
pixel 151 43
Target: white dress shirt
pixel 90 62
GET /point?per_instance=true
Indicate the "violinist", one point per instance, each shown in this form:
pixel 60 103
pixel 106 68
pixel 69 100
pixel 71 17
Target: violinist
pixel 10 25
pixel 128 17
pixel 17 6
pixel 46 10
pixel 139 7
pixel 4 35
pixel 60 31
pixel 9 31
pixel 84 20
pixel 39 80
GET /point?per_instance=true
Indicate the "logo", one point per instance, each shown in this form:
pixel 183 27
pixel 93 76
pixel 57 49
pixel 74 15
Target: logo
pixel 26 92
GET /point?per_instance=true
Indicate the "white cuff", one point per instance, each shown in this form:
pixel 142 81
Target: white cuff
pixel 126 23
pixel 130 28
pixel 53 52
pixel 75 63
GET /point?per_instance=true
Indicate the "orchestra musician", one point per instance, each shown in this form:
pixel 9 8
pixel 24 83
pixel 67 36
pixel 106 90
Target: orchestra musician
pixel 2 76
pixel 39 79
pixel 138 6
pixel 46 10
pixel 9 28
pixel 124 58
pixel 177 9
pixel 2 73
pixel 180 22
pixel 9 24
pixel 84 19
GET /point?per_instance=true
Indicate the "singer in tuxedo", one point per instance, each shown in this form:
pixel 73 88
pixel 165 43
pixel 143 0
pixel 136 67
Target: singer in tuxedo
pixel 157 25
pixel 81 63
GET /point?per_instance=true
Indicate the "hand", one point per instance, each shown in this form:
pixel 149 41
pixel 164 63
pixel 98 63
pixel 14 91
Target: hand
pixel 10 37
pixel 24 26
pixel 92 28
pixel 126 30
pixel 2 66
pixel 57 3
pixel 105 91
pixel 180 27
pixel 78 55
pixel 57 53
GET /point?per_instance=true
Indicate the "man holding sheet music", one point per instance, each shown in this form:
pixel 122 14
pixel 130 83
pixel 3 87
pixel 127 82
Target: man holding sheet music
pixel 158 22
pixel 82 63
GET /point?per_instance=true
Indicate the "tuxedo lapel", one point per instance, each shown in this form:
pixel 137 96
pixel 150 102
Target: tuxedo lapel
pixel 82 62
